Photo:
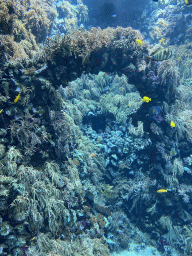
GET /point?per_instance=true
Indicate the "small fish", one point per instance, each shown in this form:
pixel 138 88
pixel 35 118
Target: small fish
pixel 162 190
pixel 33 238
pixel 188 2
pixel 163 54
pixel 154 110
pixel 93 155
pixel 60 183
pixel 179 58
pixel 156 113
pixel 161 40
pixel 139 41
pixel 172 124
pixel 114 16
pixel 16 99
pixel 146 99
pixel 1 111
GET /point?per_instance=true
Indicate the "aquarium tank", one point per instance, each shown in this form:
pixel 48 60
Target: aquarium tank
pixel 95 128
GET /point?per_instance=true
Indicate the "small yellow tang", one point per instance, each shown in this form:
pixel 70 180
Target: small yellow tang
pixel 161 40
pixel 179 58
pixel 16 99
pixel 162 190
pixel 139 41
pixel 146 99
pixel 1 111
pixel 172 124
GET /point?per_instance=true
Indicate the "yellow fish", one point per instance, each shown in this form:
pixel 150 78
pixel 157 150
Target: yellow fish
pixel 188 2
pixel 146 99
pixel 16 99
pixel 179 58
pixel 162 190
pixel 1 111
pixel 172 124
pixel 161 40
pixel 139 41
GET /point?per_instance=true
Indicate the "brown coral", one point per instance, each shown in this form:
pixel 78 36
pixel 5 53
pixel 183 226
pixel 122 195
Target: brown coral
pixel 22 25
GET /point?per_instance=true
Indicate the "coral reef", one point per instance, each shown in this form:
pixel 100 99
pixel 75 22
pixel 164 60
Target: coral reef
pixel 71 15
pixel 26 24
pixel 86 166
pixel 96 50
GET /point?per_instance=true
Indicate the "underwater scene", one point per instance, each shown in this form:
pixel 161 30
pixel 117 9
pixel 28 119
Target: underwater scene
pixel 95 127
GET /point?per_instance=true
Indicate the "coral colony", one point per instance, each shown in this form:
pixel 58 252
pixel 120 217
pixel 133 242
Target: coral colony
pixel 95 128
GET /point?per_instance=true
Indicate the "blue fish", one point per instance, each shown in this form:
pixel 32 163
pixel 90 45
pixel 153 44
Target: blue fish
pixel 156 113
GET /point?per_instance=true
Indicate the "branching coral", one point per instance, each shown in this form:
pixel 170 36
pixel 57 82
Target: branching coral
pixel 73 14
pixel 6 16
pixel 39 198
pixel 96 50
pixel 169 74
pixel 66 132
pixel 181 114
pixel 28 133
pixel 10 161
pixel 160 29
pixel 183 56
pixel 80 246
pixel 23 24
pixel 136 190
